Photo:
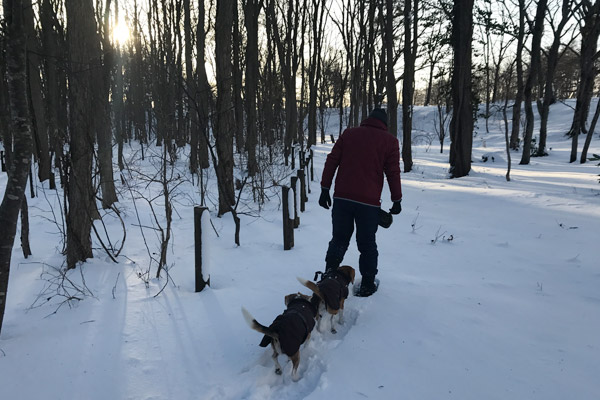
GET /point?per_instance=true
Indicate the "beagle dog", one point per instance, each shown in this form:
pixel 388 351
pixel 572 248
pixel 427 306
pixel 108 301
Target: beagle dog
pixel 288 331
pixel 331 292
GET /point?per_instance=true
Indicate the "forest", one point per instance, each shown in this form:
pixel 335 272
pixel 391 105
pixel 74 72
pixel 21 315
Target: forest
pixel 245 87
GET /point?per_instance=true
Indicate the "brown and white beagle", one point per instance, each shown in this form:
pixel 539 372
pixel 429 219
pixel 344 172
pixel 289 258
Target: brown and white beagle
pixel 331 292
pixel 288 331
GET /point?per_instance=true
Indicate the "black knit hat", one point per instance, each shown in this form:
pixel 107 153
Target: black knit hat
pixel 380 114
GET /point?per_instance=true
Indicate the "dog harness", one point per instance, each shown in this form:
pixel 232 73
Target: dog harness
pixel 334 287
pixel 293 326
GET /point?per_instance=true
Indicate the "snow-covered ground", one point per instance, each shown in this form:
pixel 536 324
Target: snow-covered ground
pixel 489 290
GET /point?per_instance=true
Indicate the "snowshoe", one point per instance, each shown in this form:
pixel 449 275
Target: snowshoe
pixel 366 290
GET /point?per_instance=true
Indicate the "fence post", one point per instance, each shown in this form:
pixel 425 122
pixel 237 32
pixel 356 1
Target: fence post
pixel 52 181
pixel 303 197
pixel 3 162
pixel 200 282
pixel 293 149
pixel 295 216
pixel 288 222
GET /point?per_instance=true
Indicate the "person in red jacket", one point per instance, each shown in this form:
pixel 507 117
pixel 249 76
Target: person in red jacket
pixel 361 156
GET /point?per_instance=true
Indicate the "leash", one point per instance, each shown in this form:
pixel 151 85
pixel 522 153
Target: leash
pixel 316 278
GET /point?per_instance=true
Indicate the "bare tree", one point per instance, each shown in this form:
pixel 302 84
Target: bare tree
pixel 22 139
pixel 435 39
pixel 314 74
pixel 534 70
pixel 392 95
pixel 204 93
pixel 251 13
pixel 83 73
pixel 103 61
pixel 461 125
pixel 237 75
pixel 552 58
pixel 287 48
pixel 516 109
pixel 590 15
pixel 590 133
pixel 411 13
pixel 225 117
pixel 40 130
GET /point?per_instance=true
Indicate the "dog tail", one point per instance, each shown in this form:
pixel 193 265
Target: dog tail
pixel 312 286
pixel 257 326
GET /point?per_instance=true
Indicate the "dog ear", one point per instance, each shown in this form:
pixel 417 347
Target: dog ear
pixel 349 271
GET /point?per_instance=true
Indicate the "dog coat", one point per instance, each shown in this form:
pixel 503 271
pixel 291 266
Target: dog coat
pixel 293 326
pixel 334 287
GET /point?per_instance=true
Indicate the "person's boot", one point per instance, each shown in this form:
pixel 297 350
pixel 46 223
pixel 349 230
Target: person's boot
pixel 367 286
pixel 330 268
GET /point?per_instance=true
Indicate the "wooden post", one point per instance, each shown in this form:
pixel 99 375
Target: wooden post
pixel 294 185
pixel 302 160
pixel 2 161
pixel 303 197
pixel 200 282
pixel 293 149
pixel 52 181
pixel 288 222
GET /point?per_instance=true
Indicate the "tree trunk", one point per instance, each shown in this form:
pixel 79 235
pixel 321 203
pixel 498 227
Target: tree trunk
pixel 5 134
pixel 288 61
pixel 80 192
pixel 461 125
pixel 251 14
pixel 136 97
pixel 589 43
pixel 590 133
pixel 534 70
pixel 429 85
pixel 203 94
pixel 118 104
pixel 314 69
pixel 516 113
pixel 238 105
pixel 40 131
pixel 225 116
pixel 190 87
pixel 22 139
pixel 552 62
pixel 391 93
pixel 103 60
pixel 25 245
pixel 410 48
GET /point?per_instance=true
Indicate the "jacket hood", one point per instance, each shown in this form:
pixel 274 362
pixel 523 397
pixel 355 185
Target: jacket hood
pixel 375 123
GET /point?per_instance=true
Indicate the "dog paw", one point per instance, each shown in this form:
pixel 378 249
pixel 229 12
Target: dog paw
pixel 333 330
pixel 278 371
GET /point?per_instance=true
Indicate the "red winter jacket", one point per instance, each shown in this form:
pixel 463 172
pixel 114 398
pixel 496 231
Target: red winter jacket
pixel 361 156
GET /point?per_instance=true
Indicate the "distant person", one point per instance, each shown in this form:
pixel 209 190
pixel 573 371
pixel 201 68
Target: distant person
pixel 361 156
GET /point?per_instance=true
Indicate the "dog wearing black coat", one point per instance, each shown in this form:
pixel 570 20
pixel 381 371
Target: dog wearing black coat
pixel 331 292
pixel 288 331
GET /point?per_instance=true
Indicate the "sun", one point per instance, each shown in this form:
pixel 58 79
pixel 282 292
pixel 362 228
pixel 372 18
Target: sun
pixel 120 33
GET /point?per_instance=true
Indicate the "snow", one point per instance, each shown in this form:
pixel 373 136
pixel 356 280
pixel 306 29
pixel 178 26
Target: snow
pixel 489 290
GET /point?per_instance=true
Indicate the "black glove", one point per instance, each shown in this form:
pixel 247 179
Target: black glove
pixel 396 208
pixel 324 199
